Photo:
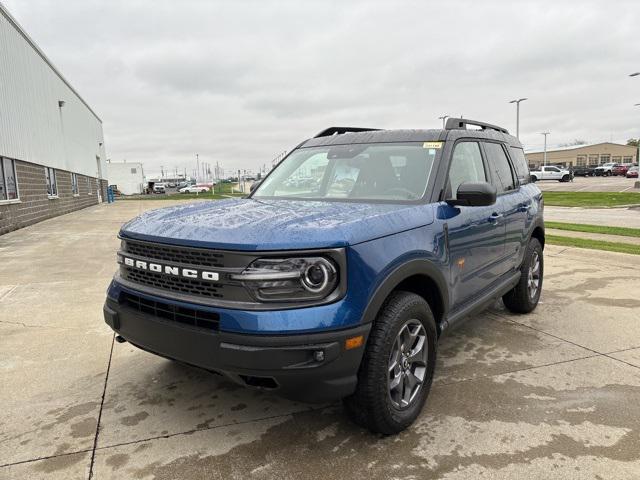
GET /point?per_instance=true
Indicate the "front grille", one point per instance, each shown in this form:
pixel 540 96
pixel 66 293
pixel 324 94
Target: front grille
pixel 187 316
pixel 187 286
pixel 188 256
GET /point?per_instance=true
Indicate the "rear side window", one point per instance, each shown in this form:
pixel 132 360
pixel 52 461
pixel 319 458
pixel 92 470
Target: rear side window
pixel 520 164
pixel 466 166
pixel 500 168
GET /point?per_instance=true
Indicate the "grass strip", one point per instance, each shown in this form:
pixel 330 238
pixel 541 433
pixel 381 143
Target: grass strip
pixel 593 244
pixel 591 199
pixel 582 227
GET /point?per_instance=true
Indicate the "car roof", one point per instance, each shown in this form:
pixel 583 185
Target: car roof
pixel 346 135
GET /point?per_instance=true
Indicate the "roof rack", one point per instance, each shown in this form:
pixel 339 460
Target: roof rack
pixel 461 124
pixel 327 132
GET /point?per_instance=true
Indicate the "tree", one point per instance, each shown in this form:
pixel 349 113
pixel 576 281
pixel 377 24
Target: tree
pixel 633 142
pixel 575 142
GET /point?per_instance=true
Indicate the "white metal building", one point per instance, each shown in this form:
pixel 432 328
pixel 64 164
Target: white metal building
pixel 51 141
pixel 128 177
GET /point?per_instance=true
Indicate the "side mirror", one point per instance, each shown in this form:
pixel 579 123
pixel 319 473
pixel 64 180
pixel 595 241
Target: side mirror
pixel 254 185
pixel 475 194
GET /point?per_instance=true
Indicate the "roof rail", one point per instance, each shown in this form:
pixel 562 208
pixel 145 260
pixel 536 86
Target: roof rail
pixel 327 132
pixel 461 124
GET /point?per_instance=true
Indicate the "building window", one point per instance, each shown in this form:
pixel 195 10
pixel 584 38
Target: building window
pixel 134 171
pixel 74 184
pixel 628 159
pixel 89 185
pixel 593 159
pixel 617 159
pixel 581 161
pixel 8 182
pixel 52 183
pixel 605 158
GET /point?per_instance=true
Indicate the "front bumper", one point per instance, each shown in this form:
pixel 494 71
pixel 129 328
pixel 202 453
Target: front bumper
pixel 312 368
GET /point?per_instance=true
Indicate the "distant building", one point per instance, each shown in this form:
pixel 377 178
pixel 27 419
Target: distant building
pixel 583 155
pixel 52 154
pixel 128 177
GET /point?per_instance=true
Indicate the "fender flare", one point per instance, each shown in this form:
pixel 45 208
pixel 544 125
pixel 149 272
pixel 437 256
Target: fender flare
pixel 402 272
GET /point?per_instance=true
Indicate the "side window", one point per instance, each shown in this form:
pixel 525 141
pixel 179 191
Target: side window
pixel 500 168
pixel 466 166
pixel 520 164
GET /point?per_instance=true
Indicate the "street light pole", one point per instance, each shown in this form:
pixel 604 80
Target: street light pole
pixel 444 119
pixel 635 74
pixel 545 146
pixel 517 102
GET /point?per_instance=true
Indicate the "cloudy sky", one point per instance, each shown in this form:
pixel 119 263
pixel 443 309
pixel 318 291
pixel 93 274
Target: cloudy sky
pixel 239 82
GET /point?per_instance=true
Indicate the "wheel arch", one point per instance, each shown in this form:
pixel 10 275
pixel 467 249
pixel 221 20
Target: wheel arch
pixel 538 233
pixel 421 277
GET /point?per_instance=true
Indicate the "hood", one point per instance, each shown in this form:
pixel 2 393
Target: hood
pixel 247 224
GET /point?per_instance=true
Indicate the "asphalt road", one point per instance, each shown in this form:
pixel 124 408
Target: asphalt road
pixel 553 394
pixel 591 184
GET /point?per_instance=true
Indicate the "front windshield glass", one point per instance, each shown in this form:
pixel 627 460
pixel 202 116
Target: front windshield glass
pixel 376 171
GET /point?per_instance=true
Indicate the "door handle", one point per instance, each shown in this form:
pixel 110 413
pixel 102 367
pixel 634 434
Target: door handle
pixel 495 217
pixel 524 207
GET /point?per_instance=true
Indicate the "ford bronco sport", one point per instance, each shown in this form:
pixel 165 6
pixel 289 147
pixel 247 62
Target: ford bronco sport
pixel 338 274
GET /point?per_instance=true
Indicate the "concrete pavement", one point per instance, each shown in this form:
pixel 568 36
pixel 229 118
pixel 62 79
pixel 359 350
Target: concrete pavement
pixel 552 394
pixel 611 217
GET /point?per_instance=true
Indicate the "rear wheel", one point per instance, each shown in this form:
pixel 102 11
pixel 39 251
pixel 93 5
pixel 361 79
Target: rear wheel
pixel 397 369
pixel 534 178
pixel 524 297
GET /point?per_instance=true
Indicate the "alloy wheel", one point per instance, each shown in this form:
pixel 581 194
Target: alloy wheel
pixel 533 277
pixel 407 364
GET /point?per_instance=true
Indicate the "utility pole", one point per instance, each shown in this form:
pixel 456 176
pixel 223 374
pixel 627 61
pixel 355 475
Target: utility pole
pixel 545 146
pixel 517 102
pixel 197 167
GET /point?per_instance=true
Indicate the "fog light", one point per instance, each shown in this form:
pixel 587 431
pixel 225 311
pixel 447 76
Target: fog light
pixel 318 355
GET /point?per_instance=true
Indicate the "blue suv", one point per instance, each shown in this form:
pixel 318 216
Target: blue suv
pixel 335 278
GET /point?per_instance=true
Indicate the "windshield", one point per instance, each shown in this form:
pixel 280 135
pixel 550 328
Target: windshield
pixel 378 171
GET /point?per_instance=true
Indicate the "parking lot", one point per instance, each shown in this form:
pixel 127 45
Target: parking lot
pixel 553 394
pixel 591 184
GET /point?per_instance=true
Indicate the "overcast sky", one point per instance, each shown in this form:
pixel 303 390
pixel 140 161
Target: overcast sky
pixel 239 82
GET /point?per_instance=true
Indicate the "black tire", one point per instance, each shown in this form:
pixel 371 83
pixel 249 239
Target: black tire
pixel 534 179
pixel 565 178
pixel 520 299
pixel 371 406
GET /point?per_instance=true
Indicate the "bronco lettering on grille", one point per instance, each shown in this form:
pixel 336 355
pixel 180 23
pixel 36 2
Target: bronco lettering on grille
pixel 169 269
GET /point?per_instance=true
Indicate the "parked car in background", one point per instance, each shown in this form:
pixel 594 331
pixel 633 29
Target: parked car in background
pixel 584 171
pixel 551 173
pixel 632 172
pixel 171 185
pixel 621 169
pixel 199 188
pixel 159 188
pixel 605 170
pixel 183 185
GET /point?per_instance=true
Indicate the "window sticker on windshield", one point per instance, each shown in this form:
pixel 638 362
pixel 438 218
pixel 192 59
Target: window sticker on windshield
pixel 432 145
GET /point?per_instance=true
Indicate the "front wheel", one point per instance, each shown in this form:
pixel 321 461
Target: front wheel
pixel 397 369
pixel 524 297
pixel 565 178
pixel 534 179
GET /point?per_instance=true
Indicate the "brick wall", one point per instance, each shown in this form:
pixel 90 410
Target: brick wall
pixel 36 206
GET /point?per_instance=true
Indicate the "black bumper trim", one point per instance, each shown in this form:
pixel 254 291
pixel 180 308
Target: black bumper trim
pixel 312 367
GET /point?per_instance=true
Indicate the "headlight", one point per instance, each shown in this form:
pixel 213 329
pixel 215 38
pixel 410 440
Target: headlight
pixel 289 279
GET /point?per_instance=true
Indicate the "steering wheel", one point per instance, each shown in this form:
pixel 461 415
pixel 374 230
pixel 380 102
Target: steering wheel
pixel 410 195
